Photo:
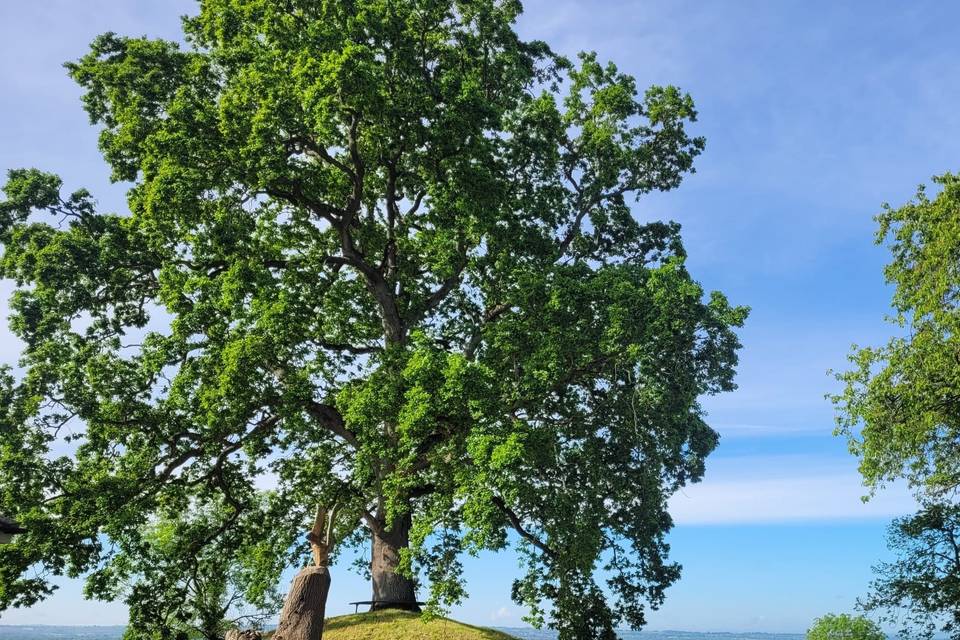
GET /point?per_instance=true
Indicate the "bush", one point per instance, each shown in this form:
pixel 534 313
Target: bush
pixel 844 627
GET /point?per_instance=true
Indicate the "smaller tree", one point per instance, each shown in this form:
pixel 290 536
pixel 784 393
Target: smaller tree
pixel 921 589
pixel 844 627
pixel 178 587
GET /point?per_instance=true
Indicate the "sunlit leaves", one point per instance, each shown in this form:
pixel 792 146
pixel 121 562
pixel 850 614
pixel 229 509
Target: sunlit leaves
pixel 379 255
pixel 900 408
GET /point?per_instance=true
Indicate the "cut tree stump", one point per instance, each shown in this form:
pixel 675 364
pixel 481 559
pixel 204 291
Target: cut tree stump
pixel 302 616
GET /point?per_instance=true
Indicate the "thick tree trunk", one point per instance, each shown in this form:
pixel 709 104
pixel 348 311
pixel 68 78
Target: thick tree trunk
pixel 302 616
pixel 393 590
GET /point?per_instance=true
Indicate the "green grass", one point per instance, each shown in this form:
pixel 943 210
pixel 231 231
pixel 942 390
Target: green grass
pixel 394 625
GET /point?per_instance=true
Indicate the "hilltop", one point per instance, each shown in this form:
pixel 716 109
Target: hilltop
pixel 389 625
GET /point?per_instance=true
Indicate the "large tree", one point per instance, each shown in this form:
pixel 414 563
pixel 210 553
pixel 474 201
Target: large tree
pixel 378 255
pixel 900 410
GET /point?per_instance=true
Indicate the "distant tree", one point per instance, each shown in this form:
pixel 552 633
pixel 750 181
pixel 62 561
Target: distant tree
pixel 900 408
pixel 844 627
pixel 379 255
pixel 921 589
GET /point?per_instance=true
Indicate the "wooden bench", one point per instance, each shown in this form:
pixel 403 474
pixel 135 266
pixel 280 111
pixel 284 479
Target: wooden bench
pixel 356 605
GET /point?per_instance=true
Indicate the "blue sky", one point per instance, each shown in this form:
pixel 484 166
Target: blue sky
pixel 815 113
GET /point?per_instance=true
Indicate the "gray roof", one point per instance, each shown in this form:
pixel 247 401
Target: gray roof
pixel 9 526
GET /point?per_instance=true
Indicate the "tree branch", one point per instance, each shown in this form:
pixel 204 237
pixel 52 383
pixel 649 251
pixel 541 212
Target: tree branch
pixel 335 346
pixel 328 417
pixel 490 316
pixel 517 524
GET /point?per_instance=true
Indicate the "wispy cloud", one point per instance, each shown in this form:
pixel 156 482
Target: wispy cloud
pixel 770 430
pixel 771 489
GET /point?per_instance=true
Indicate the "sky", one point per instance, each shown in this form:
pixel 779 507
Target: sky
pixel 815 113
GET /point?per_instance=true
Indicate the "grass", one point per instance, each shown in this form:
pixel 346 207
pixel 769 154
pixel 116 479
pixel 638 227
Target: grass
pixel 393 625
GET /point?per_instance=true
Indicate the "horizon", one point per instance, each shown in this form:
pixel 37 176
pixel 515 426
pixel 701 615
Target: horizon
pixel 814 115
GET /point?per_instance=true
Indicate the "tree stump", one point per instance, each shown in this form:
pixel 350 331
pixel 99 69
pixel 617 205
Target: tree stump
pixel 249 634
pixel 302 616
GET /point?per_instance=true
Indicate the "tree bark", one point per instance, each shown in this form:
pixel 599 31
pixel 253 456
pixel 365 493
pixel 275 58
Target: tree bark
pixel 303 611
pixel 396 590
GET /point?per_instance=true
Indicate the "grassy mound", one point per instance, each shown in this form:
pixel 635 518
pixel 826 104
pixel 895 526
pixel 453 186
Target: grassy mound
pixel 391 625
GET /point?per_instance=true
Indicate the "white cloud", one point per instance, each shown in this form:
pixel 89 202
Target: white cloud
pixel 504 614
pixel 811 495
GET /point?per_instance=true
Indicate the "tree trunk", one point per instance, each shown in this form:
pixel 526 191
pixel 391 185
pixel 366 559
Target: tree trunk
pixel 396 590
pixel 302 616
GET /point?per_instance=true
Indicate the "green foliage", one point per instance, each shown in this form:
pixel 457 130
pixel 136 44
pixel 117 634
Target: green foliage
pixel 177 584
pixel 900 410
pixel 378 254
pixel 921 589
pixel 844 627
pixel 900 407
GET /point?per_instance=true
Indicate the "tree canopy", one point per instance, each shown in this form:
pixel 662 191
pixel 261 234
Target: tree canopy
pixel 901 405
pixel 379 255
